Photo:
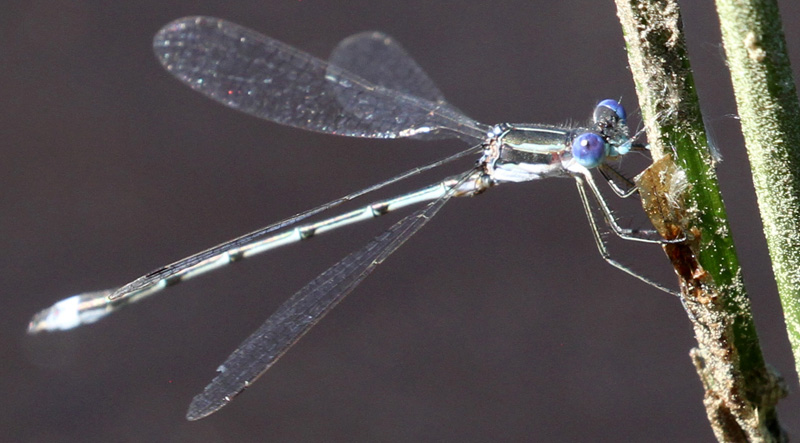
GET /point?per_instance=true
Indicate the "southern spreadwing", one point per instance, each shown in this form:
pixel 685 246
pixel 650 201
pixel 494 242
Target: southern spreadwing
pixel 369 88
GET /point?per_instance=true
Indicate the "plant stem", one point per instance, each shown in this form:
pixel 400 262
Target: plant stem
pixel 770 115
pixel 681 195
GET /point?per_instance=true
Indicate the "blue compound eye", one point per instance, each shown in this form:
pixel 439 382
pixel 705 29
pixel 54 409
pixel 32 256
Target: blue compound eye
pixel 589 149
pixel 608 108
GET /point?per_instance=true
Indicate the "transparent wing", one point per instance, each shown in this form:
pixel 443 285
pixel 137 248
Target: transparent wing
pixel 302 311
pixel 269 79
pixel 379 59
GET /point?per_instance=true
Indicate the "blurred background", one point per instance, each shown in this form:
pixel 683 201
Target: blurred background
pixel 497 321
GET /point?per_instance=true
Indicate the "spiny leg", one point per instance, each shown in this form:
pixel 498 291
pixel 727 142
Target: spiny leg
pixel 601 245
pixel 611 174
pixel 642 235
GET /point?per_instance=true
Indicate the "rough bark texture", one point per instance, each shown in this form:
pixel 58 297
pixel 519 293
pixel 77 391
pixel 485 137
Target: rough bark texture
pixel 681 195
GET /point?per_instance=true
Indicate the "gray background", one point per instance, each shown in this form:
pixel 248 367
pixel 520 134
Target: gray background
pixel 498 321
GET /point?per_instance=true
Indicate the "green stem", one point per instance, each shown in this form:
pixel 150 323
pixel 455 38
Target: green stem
pixel 770 115
pixel 681 195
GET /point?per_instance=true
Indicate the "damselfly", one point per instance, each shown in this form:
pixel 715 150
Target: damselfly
pixel 369 88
